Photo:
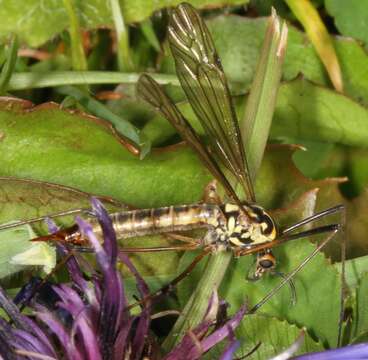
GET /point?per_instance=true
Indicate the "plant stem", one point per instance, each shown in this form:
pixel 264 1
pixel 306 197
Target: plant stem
pixel 125 62
pixel 79 61
pixel 33 80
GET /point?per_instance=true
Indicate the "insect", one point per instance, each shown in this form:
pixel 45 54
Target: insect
pixel 242 227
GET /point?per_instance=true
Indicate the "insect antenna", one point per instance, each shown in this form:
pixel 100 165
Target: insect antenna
pixel 336 209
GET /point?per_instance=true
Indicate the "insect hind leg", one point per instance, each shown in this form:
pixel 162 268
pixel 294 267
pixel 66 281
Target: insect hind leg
pixel 43 218
pixel 171 285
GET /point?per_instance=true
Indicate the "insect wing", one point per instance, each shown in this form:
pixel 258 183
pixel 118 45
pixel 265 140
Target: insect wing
pixel 201 75
pixel 151 92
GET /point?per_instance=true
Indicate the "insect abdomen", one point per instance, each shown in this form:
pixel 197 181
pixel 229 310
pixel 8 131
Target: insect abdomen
pixel 166 219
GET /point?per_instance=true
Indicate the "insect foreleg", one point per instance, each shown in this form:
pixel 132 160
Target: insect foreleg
pixel 290 276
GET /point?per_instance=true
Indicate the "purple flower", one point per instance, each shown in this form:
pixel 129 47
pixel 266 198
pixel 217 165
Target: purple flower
pixel 88 318
pixel 351 352
pixel 99 327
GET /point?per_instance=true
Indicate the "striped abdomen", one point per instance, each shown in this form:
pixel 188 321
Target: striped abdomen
pixel 166 219
pixel 147 221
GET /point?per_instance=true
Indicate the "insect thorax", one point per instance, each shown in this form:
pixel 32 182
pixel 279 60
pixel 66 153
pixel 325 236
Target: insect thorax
pixel 234 228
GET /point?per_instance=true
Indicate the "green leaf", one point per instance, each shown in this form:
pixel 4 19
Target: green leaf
pixel 351 17
pixel 37 21
pixel 51 144
pixel 240 57
pixel 312 112
pixel 79 61
pixel 273 334
pixel 122 126
pixel 321 159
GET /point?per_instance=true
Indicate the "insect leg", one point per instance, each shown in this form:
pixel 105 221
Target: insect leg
pixel 43 218
pixel 211 195
pixel 160 248
pixel 170 286
pixel 289 276
pixel 336 209
pixel 183 238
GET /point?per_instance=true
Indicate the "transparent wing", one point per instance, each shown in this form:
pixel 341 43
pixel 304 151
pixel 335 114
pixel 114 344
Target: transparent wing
pixel 151 92
pixel 201 75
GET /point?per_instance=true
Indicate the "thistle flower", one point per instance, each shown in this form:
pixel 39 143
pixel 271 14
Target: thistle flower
pixel 100 327
pixel 89 319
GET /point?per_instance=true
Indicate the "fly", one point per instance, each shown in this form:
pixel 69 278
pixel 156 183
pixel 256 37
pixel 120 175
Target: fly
pixel 242 227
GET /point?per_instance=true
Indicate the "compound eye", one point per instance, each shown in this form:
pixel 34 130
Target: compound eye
pixel 266 264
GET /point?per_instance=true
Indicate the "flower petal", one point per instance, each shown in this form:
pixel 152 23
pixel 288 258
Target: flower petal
pixel 224 331
pixel 230 350
pixel 110 243
pixel 352 352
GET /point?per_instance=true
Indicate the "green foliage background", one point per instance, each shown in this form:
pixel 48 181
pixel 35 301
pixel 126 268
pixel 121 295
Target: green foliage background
pixel 54 157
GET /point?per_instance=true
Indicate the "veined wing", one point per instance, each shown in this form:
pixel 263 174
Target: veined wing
pixel 201 75
pixel 151 92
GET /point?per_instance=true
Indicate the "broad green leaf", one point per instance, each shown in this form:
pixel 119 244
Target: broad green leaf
pixel 274 335
pixel 37 21
pixel 122 126
pixel 350 17
pixel 240 57
pixel 321 160
pixel 313 112
pixel 50 144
